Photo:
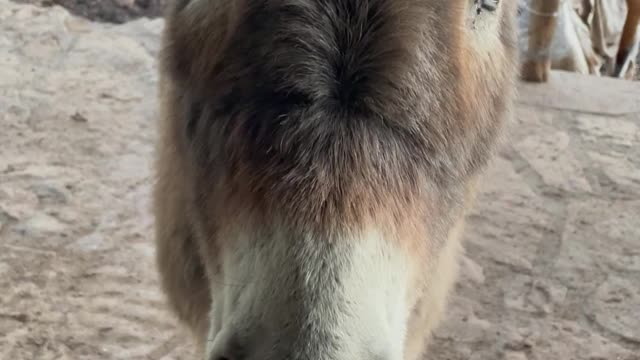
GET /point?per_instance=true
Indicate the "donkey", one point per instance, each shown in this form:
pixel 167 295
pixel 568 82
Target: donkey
pixel 315 162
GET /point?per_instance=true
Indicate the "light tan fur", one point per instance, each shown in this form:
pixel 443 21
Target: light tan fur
pixel 176 248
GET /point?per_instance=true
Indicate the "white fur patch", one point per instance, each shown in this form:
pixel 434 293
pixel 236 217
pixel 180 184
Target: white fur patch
pixel 365 305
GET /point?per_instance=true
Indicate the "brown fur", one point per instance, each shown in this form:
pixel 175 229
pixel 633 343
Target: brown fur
pixel 328 115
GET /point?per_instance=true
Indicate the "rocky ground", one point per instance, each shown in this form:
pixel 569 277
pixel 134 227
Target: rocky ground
pixel 553 265
pixel 113 11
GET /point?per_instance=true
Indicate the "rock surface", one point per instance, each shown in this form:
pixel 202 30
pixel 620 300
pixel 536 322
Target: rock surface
pixel 553 264
pixel 113 11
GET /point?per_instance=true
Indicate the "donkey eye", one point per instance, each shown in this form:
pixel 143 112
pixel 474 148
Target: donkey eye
pixel 488 5
pixel 480 6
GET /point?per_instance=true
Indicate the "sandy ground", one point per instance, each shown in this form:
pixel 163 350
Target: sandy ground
pixel 113 11
pixel 553 265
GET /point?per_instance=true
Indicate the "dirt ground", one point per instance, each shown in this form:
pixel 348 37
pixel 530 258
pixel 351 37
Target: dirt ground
pixel 553 247
pixel 113 11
